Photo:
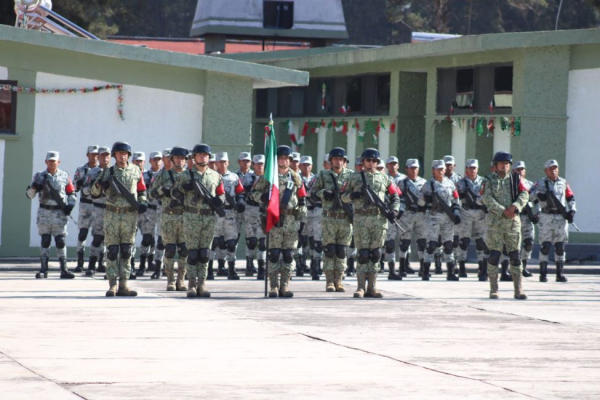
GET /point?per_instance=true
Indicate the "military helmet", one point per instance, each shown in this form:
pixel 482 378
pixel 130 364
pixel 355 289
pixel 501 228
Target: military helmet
pixel 284 150
pixel 120 146
pixel 200 148
pixel 337 152
pixel 502 156
pixel 179 151
pixel 370 153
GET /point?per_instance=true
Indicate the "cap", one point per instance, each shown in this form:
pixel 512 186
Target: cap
pixel 412 162
pixel 391 159
pixel 258 159
pixel 244 155
pixel 306 160
pixel 139 155
pixel 551 163
pixel 519 164
pixel 358 161
pixel 166 152
pixel 295 156
pixel 92 149
pixel 222 156
pixel 449 160
pixel 326 158
pixel 52 155
pixel 103 150
pixel 438 164
pixel 212 158
pixel 155 154
pixel 472 163
pixel 379 162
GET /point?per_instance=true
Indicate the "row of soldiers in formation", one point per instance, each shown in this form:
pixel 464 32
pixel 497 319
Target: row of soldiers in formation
pixel 365 216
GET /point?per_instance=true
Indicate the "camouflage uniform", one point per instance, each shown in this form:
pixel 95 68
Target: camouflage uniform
pixel 255 236
pixel 86 211
pixel 99 205
pixel 412 221
pixel 148 222
pixel 393 237
pixel 312 240
pixel 527 227
pixel 473 225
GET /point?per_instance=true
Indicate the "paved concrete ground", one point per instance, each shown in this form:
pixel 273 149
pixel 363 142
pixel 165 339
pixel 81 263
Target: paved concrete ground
pixel 64 340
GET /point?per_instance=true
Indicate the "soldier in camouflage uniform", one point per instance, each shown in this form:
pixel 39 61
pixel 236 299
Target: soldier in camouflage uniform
pixel 284 235
pixel 120 215
pixel 370 224
pixel 85 220
pixel 51 217
pixel 504 196
pixel 528 219
pixel 337 227
pixel 255 236
pixel 244 162
pixel 450 163
pixel 312 239
pixel 351 253
pixel 392 239
pixel 439 194
pixel 99 203
pixel 160 245
pixel 553 227
pixel 299 256
pixel 199 219
pixel 473 224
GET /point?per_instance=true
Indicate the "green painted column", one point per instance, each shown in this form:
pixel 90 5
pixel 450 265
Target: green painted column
pixel 410 127
pixel 481 148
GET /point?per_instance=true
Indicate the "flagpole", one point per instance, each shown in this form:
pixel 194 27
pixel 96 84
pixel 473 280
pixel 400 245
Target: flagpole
pixel 267 264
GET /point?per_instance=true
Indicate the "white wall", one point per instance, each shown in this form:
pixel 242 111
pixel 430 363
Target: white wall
pixel 459 146
pixel 583 143
pixel 501 138
pixel 3 76
pixel 154 120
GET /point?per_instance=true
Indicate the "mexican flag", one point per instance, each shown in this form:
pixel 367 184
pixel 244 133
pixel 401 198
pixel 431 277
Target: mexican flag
pixel 271 175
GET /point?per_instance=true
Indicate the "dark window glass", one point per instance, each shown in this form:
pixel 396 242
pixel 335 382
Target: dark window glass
pixel 262 96
pixel 354 94
pixel 8 108
pixel 297 101
pixel 284 102
pixel 383 95
pixel 319 98
pixel 503 78
pixel 278 14
pixel 464 88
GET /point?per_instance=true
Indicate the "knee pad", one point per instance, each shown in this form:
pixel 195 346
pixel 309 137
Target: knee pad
pixel 183 250
pixel 97 241
pixel 193 256
pixel 330 250
pixel 125 250
pixel 203 255
pixel 515 258
pixel 390 246
pixel 262 245
pixel 464 243
pixel 215 244
pixel 221 242
pixel 288 255
pixel 340 251
pixel 160 245
pixel 251 242
pixel 170 250
pixel 230 244
pixel 317 246
pixel 405 245
pixel 421 244
pixel 83 232
pixel 431 247
pixel 46 240
pixel 59 241
pixel 311 242
pixel 112 252
pixel 494 257
pixel 546 246
pixel 528 244
pixel 274 255
pixel 559 248
pixel 375 255
pixel 480 244
pixel 448 247
pixel 147 240
pixel 363 256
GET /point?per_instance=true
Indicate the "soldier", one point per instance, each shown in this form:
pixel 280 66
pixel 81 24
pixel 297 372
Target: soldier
pixel 123 186
pixel 57 199
pixel 255 236
pixel 227 228
pixel 211 162
pixel 370 223
pixel 528 219
pixel 295 163
pixel 284 236
pixel 171 219
pixel 392 239
pixel 440 197
pixel 554 193
pixel 336 223
pixel 351 253
pixel 198 219
pixel 166 159
pixel 312 240
pixel 504 196
pixel 244 162
pixel 99 204
pixel 450 164
pixel 326 163
pixel 413 218
pixel 84 222
pixel 473 224
pixel 160 246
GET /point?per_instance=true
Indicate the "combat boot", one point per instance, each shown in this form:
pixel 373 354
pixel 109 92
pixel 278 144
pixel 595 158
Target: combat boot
pixel 483 275
pixel 382 264
pixel 112 290
pixel 425 275
pixel 201 289
pixel 192 288
pixel 505 276
pixel 350 271
pixel 361 278
pixel 43 268
pixel 450 276
pixel 232 275
pixel 91 271
pixel 285 284
pixel 142 269
pixel 157 268
pixel 79 267
pixel 462 269
pixel 438 264
pixel 313 270
pixel 329 286
pixel 421 261
pixel 180 284
pixel 337 280
pixel 518 284
pixel 64 272
pixel 211 272
pixel 151 263
pixel 392 276
pixel 171 280
pixel 494 286
pixel 402 268
pixel 543 271
pixel 274 284
pixel 249 267
pixel 101 266
pixel 124 290
pixel 407 267
pixel 221 270
pixel 299 266
pixel 318 269
pixel 560 277
pixel 372 288
pixel 132 274
pixel 260 276
pixel 526 272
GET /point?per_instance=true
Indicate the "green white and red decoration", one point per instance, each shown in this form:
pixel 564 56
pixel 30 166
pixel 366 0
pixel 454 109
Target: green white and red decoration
pixel 393 127
pixel 271 175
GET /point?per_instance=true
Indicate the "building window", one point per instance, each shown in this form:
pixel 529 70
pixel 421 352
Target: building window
pixel 8 109
pixel 383 95
pixel 278 14
pixel 354 94
pixel 503 88
pixel 463 100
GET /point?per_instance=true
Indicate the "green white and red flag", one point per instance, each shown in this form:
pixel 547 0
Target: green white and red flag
pixel 271 175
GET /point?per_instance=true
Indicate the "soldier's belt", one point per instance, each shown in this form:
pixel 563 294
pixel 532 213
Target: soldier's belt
pixel 47 207
pixel 153 207
pixel 127 209
pixel 85 201
pixel 288 211
pixel 334 214
pixel 199 211
pixel 370 211
pixel 173 211
pixel 99 205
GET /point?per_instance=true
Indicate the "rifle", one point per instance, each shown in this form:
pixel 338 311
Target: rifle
pixel 229 198
pixel 202 192
pixel 472 198
pixel 118 186
pixel 559 206
pixel 338 203
pixel 56 196
pixel 372 198
pixel 529 211
pixel 439 202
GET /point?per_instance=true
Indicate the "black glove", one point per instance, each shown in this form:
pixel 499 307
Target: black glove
pixel 570 216
pixel 534 218
pixel 328 195
pixel 240 207
pixel 166 191
pixel 391 215
pixel 188 186
pixel 457 219
pixel 37 186
pixel 542 196
pixel 264 197
pixel 428 198
pixel 68 209
pixel 400 214
pixel 79 182
pixel 216 202
pixel 355 195
pixel 104 183
pixel 143 208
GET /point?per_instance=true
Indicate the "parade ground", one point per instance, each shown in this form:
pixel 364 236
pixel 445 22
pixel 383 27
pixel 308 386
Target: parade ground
pixel 62 339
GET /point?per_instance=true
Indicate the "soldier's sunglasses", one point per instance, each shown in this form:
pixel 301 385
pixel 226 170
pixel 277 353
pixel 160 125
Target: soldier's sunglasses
pixel 370 160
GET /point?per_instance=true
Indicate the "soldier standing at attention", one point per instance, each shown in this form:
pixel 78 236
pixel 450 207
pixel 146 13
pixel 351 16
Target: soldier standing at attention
pixel 284 235
pixel 160 246
pixel 504 196
pixel 392 239
pixel 199 219
pixel 370 223
pixel 255 236
pixel 84 222
pixel 120 215
pixel 439 195
pixel 299 257
pixel 554 193
pixel 57 199
pixel 337 227
pixel 244 162
pixel 311 239
pixel 528 219
pixel 326 163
